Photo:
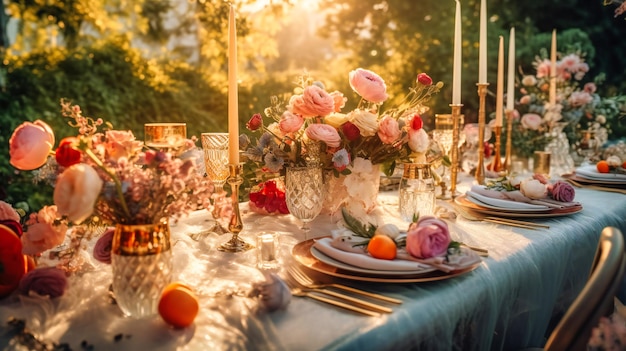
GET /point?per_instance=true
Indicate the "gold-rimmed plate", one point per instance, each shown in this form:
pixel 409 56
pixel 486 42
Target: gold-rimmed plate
pixel 601 183
pixel 302 254
pixel 552 212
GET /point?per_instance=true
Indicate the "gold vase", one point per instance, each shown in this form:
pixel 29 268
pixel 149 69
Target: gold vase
pixel 141 260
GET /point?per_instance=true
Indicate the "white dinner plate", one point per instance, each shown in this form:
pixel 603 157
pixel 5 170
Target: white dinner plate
pixel 466 202
pixel 508 205
pixel 591 172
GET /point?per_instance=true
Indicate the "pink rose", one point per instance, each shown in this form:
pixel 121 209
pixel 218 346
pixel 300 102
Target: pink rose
pixel 429 237
pixel 325 133
pixel 590 87
pixel 30 145
pixel 388 130
pixel 339 99
pixel 49 281
pixel 7 212
pixel 42 233
pixel 562 191
pixel 580 98
pixel 102 249
pixel 255 122
pixel 121 143
pixel 531 121
pixel 290 122
pixel 525 100
pixel 76 192
pixel 369 85
pixel 424 79
pixel 314 102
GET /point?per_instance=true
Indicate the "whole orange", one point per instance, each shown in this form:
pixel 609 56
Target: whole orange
pixel 383 247
pixel 178 305
pixel 602 166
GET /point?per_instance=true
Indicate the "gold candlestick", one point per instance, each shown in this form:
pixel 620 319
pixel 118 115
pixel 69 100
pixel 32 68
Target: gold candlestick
pixel 507 152
pixel 454 150
pixel 235 224
pixel 480 167
pixel 496 165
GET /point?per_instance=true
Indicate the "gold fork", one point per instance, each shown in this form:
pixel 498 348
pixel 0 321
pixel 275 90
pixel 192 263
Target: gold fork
pixel 306 281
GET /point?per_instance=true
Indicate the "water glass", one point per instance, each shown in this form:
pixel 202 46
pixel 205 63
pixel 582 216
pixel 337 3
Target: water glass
pixel 304 193
pixel 168 136
pixel 215 147
pixel 417 191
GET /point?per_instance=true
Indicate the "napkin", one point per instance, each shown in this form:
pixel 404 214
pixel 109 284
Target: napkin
pixel 465 259
pixel 515 199
pixel 591 172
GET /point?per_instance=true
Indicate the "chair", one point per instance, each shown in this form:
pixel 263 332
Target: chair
pixel 596 298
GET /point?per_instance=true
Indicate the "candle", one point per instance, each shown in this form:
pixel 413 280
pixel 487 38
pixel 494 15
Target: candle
pixel 482 50
pixel 553 69
pixel 510 89
pixel 500 89
pixel 233 111
pixel 456 68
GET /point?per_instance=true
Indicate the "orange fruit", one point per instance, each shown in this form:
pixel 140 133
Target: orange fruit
pixel 602 166
pixel 624 164
pixel 383 247
pixel 178 305
pixel 13 264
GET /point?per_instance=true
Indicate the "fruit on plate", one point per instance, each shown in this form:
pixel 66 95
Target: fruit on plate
pixel 611 164
pixel 178 305
pixel 602 166
pixel 383 247
pixel 13 264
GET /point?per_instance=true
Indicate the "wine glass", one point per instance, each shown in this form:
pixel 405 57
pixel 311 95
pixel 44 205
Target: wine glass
pixel 304 193
pixel 443 135
pixel 588 146
pixel 165 136
pixel 215 147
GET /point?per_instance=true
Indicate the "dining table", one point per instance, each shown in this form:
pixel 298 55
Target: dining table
pixel 509 301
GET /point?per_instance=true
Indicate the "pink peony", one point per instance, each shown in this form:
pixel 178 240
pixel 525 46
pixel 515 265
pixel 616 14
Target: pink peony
pixel 46 281
pixel 388 130
pixel 525 100
pixel 7 212
pixel 531 121
pixel 369 85
pixel 325 133
pixel 314 102
pixel 339 99
pixel 255 122
pixel 429 237
pixel 102 249
pixel 424 79
pixel 30 145
pixel 562 191
pixel 121 144
pixel 76 192
pixel 290 122
pixel 42 233
pixel 579 98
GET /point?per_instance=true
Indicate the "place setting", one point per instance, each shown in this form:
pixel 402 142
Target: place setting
pixel 606 175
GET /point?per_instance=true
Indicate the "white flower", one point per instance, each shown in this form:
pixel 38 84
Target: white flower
pixel 614 161
pixel 533 189
pixel 418 140
pixel 529 80
pixel 366 121
pixel 336 119
pixel 76 192
pixel 359 183
pixel 517 180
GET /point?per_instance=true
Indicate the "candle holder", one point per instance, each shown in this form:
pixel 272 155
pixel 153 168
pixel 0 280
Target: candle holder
pixel 480 167
pixel 507 152
pixel 496 164
pixel 235 225
pixel 454 150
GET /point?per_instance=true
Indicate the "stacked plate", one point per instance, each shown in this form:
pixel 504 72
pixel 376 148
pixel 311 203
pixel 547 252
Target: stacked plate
pixel 509 208
pixel 590 175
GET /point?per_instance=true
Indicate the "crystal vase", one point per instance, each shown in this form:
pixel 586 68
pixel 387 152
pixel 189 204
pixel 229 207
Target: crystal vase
pixel 141 259
pixel 561 162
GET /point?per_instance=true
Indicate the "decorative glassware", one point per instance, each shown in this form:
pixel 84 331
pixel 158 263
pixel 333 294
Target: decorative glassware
pixel 304 193
pixel 443 135
pixel 588 146
pixel 215 147
pixel 561 162
pixel 470 153
pixel 168 136
pixel 417 191
pixel 141 259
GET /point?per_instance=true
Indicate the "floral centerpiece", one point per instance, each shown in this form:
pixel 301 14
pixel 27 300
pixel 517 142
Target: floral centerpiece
pixel 311 128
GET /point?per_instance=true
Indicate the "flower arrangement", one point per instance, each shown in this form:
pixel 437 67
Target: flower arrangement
pixel 536 187
pixel 620 9
pixel 102 176
pixel 311 128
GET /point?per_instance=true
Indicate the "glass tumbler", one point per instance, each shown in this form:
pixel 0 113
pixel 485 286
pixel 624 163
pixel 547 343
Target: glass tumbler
pixel 417 191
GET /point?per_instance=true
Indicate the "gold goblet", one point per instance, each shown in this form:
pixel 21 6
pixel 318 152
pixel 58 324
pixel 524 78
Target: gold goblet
pixel 165 136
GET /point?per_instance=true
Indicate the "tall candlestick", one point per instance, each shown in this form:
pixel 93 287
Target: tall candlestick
pixel 482 49
pixel 500 88
pixel 552 95
pixel 233 110
pixel 456 71
pixel 510 89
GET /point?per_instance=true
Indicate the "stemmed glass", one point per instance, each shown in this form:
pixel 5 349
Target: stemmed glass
pixel 165 136
pixel 588 146
pixel 304 193
pixel 215 147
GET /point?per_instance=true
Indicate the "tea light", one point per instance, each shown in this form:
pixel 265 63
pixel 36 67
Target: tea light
pixel 267 245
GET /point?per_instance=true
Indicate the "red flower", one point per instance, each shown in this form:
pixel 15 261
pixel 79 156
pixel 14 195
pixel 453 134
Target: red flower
pixel 255 122
pixel 65 154
pixel 424 79
pixel 351 131
pixel 416 122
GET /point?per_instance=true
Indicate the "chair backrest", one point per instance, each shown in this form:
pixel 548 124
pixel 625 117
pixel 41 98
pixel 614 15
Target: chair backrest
pixel 596 298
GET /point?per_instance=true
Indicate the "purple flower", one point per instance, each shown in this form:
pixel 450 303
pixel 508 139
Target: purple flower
pixel 429 237
pixel 102 249
pixel 49 281
pixel 562 191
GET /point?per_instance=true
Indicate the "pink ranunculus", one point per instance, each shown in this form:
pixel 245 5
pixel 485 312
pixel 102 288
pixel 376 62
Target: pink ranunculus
pixel 562 191
pixel 102 249
pixel 424 79
pixel 369 85
pixel 45 281
pixel 30 145
pixel 76 192
pixel 580 98
pixel 7 212
pixel 255 122
pixel 531 121
pixel 121 144
pixel 339 99
pixel 313 102
pixel 325 133
pixel 429 237
pixel 290 122
pixel 525 100
pixel 43 234
pixel 388 130
pixel 590 87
